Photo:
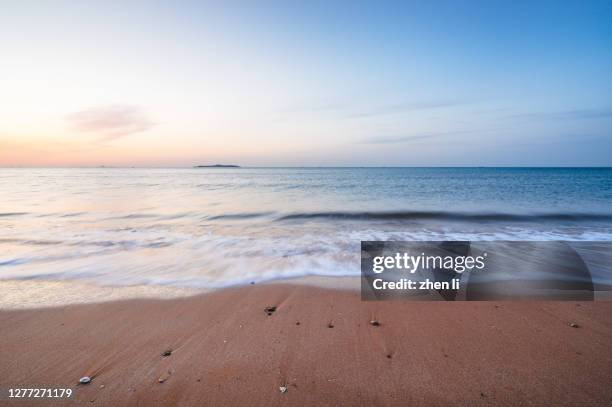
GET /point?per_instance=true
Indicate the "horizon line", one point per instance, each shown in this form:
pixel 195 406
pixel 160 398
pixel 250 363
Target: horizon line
pixel 238 167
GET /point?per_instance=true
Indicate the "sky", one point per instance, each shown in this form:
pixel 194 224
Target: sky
pixel 329 83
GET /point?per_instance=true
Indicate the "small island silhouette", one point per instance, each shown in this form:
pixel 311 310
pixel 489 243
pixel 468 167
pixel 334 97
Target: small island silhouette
pixel 217 166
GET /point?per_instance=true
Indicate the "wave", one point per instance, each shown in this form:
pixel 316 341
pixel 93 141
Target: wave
pixel 358 216
pixel 441 215
pixel 236 216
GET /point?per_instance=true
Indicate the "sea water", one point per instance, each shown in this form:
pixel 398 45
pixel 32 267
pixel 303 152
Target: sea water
pixel 216 227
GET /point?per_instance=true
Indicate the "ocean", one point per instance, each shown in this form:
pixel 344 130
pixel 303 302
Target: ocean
pixel 217 227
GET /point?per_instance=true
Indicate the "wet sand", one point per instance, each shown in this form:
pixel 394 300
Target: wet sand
pixel 318 344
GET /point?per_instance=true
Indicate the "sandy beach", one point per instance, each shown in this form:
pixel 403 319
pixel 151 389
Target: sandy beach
pixel 318 345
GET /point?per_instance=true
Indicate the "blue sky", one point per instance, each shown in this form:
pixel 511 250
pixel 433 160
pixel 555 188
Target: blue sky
pixel 306 83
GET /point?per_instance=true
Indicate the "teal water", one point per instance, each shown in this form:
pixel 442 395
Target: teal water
pixel 218 227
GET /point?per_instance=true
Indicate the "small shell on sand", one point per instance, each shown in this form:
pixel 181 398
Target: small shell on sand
pixel 283 389
pixel 164 377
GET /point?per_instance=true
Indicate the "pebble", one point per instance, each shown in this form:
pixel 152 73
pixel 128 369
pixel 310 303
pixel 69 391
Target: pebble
pixel 374 322
pixel 85 380
pixel 574 325
pixel 283 389
pixel 164 377
pixel 269 310
pixel 167 352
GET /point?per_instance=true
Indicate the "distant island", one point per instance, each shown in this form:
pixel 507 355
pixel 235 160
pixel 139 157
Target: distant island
pixel 217 166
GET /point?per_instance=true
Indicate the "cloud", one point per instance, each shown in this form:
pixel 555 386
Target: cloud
pixel 322 106
pixel 354 110
pixel 586 114
pixel 405 107
pixel 567 114
pixel 111 122
pixel 409 138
